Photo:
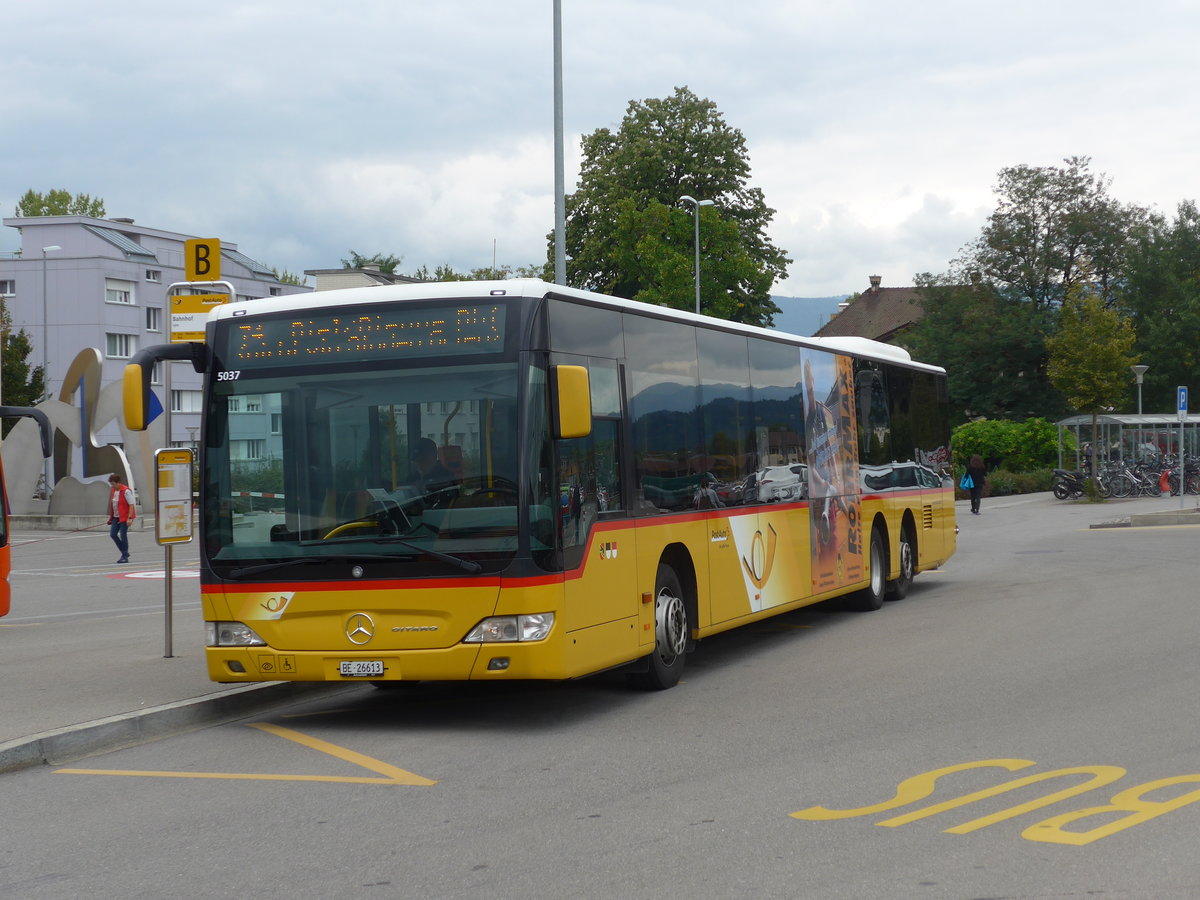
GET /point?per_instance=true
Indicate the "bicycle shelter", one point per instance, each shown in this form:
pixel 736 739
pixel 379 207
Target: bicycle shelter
pixel 1129 436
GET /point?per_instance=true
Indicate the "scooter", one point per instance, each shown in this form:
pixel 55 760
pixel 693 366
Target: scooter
pixel 1068 485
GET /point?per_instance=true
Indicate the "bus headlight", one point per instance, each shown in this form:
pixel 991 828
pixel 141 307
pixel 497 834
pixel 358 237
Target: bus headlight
pixel 231 634
pixel 511 629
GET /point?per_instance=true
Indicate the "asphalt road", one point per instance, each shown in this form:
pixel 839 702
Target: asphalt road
pixel 1022 725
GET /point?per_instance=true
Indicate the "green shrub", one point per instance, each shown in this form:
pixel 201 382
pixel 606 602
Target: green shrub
pixel 1015 446
pixel 1004 483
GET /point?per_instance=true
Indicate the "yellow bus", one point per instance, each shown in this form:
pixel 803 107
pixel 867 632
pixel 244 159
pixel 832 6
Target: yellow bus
pixel 515 480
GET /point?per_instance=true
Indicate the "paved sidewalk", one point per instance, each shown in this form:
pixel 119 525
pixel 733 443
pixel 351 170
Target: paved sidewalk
pixel 82 653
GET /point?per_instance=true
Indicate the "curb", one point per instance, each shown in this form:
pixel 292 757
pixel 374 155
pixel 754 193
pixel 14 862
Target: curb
pixel 130 729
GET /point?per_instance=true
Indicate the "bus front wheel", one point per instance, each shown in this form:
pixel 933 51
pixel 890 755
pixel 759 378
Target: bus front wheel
pixel 671 630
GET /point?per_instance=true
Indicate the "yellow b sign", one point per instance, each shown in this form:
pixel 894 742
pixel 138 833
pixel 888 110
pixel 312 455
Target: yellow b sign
pixel 202 259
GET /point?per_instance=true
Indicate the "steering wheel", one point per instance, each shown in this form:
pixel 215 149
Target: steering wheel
pixel 494 486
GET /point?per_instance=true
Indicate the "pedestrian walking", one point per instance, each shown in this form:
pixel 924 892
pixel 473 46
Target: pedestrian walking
pixel 977 472
pixel 121 511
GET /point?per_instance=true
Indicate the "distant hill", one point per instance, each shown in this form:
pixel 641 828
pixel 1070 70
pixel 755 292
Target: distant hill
pixel 804 315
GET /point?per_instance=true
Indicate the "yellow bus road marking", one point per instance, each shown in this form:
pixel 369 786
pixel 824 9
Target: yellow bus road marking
pixel 19 624
pixel 399 776
pixel 245 776
pixel 391 774
pixel 1131 801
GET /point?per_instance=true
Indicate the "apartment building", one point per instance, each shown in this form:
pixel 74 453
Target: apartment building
pixel 80 282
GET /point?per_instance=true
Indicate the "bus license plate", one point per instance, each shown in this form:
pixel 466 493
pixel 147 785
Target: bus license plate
pixel 361 668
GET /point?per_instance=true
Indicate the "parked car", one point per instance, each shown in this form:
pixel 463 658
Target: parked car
pixel 782 483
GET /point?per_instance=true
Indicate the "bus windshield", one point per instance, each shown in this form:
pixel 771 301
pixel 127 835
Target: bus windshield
pixel 414 466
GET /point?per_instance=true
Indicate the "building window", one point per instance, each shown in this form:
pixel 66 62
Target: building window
pixel 156 372
pixel 247 449
pixel 153 318
pixel 254 403
pixel 234 405
pixel 119 346
pixel 118 291
pixel 276 423
pixel 185 401
pixel 154 275
pixel 276 292
pixel 242 298
pixel 8 287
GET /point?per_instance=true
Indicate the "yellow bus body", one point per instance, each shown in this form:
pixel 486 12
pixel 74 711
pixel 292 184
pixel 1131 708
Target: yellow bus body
pixel 757 561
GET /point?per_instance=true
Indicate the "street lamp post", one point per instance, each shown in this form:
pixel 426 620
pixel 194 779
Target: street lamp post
pixel 696 204
pixel 46 321
pixel 46 355
pixel 1138 373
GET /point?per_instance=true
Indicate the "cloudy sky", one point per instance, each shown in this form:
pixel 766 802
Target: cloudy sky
pixel 301 129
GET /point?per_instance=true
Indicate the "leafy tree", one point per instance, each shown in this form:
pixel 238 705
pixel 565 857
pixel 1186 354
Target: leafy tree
pixel 1163 299
pixel 386 263
pixel 20 383
pixel 1051 226
pixel 59 203
pixel 627 235
pixel 992 347
pixel 1091 354
pixel 286 277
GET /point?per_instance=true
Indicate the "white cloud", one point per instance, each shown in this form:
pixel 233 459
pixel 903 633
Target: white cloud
pixel 300 130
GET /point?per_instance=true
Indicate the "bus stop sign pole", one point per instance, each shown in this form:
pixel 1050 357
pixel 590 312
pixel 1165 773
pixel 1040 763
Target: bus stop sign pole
pixel 1181 405
pixel 172 519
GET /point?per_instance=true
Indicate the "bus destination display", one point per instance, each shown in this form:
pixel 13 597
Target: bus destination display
pixel 390 333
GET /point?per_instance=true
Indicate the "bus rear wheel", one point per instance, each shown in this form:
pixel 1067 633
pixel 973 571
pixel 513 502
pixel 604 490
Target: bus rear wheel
pixel 671 631
pixel 871 597
pixel 898 589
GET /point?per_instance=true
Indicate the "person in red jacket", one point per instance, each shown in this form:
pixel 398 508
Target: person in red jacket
pixel 121 512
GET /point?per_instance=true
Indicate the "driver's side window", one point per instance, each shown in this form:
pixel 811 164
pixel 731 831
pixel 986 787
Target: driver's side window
pixel 589 468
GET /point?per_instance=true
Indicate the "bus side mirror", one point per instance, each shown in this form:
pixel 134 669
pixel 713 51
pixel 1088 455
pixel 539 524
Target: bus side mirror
pixel 572 401
pixel 135 384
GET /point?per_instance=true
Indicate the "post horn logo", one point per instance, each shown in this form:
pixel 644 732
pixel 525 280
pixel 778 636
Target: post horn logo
pixel 762 557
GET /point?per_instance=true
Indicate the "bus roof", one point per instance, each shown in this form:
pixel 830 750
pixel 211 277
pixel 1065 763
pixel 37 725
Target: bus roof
pixel 535 289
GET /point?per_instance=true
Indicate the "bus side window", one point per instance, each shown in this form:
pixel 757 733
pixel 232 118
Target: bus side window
pixel 589 474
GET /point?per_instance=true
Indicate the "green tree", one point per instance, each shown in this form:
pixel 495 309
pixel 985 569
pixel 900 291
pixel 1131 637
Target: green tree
pixel 627 235
pixel 1052 225
pixel 20 383
pixel 992 347
pixel 59 203
pixel 386 263
pixel 286 277
pixel 1162 297
pixel 1091 354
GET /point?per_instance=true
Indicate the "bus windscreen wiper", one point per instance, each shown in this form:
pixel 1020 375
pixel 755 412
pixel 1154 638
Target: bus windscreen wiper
pixel 465 564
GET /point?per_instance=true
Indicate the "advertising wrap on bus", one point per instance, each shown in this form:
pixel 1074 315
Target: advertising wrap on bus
pixel 516 480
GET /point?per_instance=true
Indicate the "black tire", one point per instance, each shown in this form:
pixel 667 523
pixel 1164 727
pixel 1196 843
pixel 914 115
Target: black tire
pixel 672 630
pixel 1061 491
pixel 1121 486
pixel 898 589
pixel 870 598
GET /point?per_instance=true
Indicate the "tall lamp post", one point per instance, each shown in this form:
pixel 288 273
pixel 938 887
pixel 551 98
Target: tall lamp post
pixel 46 354
pixel 46 321
pixel 1138 373
pixel 696 204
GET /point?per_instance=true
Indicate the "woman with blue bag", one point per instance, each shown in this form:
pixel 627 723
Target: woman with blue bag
pixel 973 481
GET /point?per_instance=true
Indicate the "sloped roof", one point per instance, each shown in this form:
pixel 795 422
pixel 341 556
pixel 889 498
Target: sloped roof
pixel 878 313
pixel 132 249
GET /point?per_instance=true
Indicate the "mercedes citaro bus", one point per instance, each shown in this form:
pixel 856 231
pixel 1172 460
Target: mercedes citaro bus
pixel 515 480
